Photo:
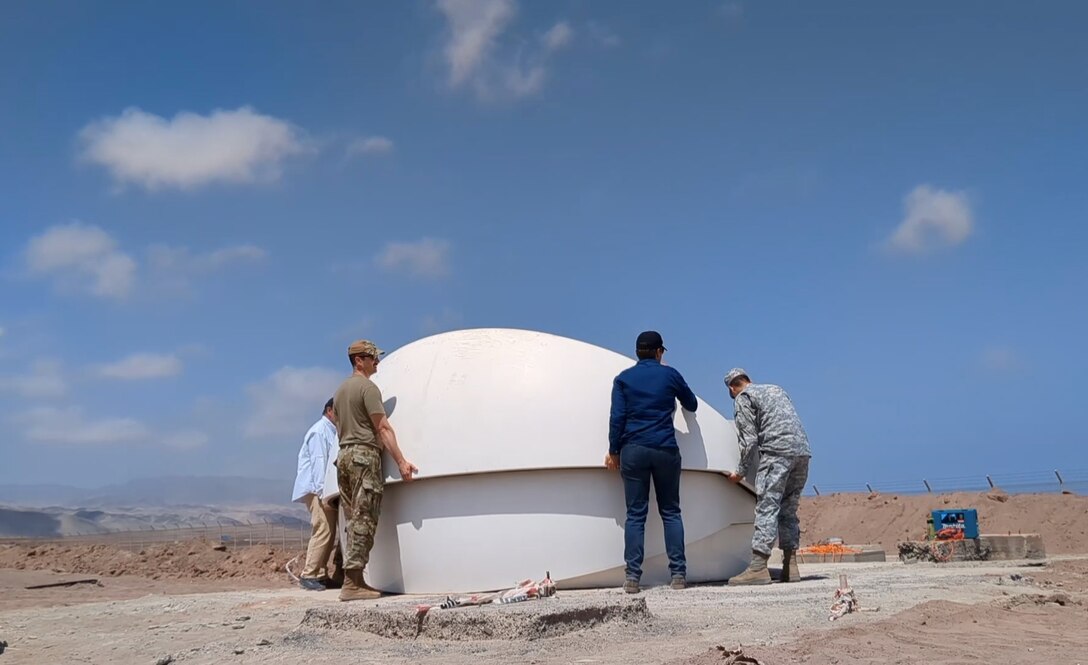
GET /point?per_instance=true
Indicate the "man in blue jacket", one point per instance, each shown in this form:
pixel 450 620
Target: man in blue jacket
pixel 642 445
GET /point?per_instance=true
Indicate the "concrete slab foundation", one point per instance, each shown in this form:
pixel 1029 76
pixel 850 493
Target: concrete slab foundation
pixel 987 547
pixel 865 554
pixel 534 619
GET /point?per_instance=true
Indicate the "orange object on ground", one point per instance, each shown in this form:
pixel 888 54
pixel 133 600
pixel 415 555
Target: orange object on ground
pixel 836 548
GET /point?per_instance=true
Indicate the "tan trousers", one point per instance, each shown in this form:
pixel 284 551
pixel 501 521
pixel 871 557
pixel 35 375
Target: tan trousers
pixel 322 536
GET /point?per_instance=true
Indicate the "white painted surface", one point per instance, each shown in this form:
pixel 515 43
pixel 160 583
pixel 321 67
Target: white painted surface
pixel 509 429
pixel 483 532
pixel 473 401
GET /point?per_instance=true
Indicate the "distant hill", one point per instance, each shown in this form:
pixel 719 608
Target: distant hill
pixel 159 503
pixel 41 495
pixel 164 491
pixel 54 522
pixel 30 523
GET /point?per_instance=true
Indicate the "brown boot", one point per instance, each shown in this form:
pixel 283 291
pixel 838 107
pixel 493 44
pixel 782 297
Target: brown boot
pixel 355 588
pixel 790 571
pixel 756 573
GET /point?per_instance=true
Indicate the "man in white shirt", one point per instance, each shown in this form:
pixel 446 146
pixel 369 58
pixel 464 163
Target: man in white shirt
pixel 321 440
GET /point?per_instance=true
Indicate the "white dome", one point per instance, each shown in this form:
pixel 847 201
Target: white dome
pixel 509 429
pixel 477 401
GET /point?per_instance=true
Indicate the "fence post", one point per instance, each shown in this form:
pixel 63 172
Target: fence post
pixel 1061 483
pixel 926 483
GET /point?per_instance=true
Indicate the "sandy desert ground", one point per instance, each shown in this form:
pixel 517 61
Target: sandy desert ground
pixel 212 606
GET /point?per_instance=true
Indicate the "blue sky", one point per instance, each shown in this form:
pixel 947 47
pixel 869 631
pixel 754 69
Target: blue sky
pixel 881 208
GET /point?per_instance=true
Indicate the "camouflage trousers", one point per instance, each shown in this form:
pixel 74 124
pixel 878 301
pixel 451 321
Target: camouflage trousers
pixel 779 482
pixel 362 483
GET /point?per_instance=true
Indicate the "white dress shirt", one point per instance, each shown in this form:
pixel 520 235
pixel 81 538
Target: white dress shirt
pixel 317 447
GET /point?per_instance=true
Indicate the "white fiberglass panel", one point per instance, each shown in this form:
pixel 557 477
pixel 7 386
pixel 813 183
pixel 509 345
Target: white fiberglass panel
pixel 476 401
pixel 483 532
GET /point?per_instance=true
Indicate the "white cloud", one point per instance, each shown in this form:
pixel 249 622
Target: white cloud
pixel 448 319
pixel 286 403
pixel 523 81
pixel 1000 359
pixel 732 11
pixel 82 257
pixel 603 35
pixel 190 150
pixel 558 36
pixel 370 145
pixel 934 218
pixel 180 261
pixel 173 270
pixel 186 440
pixel 72 426
pixel 428 257
pixel 361 327
pixel 226 256
pixel 139 366
pixel 474 26
pixel 478 60
pixel 45 379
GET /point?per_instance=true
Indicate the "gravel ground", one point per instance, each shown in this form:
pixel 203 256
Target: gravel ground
pixel 267 626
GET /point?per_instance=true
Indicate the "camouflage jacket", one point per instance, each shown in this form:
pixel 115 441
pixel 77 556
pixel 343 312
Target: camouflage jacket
pixel 766 421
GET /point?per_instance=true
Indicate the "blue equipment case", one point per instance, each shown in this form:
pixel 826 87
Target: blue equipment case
pixel 964 519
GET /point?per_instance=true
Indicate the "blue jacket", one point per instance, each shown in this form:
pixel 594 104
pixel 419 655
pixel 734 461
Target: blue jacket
pixel 643 404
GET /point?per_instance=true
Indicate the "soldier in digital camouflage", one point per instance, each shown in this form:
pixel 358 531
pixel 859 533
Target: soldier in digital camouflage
pixel 767 423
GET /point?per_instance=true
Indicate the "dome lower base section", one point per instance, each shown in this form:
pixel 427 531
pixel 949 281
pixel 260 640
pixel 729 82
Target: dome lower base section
pixel 482 532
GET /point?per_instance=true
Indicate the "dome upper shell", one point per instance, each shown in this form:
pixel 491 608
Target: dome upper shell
pixel 490 400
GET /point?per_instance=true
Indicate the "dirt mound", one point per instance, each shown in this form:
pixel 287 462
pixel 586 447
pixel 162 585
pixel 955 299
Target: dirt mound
pixel 886 519
pixel 1047 632
pixel 1070 575
pixel 194 559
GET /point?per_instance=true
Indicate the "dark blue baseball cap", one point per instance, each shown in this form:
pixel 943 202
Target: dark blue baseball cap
pixel 650 341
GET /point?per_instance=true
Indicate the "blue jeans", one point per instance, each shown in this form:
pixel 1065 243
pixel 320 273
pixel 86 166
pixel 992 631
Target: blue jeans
pixel 638 466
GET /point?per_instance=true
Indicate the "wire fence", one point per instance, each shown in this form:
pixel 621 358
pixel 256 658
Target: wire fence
pixel 1073 481
pixel 273 534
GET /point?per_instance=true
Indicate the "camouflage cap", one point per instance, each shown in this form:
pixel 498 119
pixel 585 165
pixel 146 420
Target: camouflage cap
pixel 365 346
pixel 733 374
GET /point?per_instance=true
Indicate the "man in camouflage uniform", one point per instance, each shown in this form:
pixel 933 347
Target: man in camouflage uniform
pixel 364 432
pixel 766 421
